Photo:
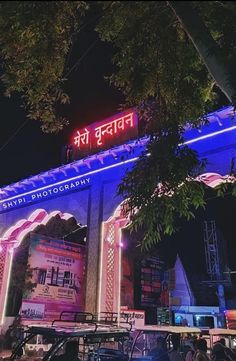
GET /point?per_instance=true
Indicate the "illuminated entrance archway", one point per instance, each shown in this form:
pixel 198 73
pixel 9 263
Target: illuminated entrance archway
pixel 110 257
pixel 111 250
pixel 12 239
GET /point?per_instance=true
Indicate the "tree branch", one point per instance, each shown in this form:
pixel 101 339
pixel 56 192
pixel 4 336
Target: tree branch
pixel 208 49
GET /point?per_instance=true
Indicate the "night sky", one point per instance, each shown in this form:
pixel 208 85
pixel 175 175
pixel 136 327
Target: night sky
pixel 30 151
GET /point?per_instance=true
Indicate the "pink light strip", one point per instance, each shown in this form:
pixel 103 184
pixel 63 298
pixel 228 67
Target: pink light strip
pixel 10 255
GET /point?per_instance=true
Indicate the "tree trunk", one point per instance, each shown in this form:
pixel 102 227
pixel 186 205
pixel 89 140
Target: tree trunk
pixel 207 47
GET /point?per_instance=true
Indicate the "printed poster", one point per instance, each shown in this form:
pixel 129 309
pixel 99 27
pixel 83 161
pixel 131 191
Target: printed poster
pixel 58 270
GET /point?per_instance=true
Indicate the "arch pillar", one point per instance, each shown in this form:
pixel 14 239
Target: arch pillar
pixel 6 256
pixel 110 262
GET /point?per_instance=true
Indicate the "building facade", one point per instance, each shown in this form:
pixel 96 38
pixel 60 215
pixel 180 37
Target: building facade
pixel 85 189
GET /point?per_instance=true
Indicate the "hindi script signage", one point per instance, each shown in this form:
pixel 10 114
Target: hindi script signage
pixel 105 134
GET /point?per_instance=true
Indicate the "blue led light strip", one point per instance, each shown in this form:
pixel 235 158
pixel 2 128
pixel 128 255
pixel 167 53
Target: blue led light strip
pixel 70 179
pixel 191 141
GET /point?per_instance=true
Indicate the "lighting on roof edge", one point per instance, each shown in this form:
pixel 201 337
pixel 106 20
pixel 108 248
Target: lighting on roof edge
pixel 187 142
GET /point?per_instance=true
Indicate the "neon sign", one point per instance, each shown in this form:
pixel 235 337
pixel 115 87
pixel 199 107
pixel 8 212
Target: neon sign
pixel 110 132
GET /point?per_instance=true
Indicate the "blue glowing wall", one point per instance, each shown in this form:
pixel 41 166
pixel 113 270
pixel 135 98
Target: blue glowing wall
pixel 87 188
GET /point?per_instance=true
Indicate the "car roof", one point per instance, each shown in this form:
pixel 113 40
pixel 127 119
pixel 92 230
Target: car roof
pixel 79 330
pixel 222 331
pixel 168 329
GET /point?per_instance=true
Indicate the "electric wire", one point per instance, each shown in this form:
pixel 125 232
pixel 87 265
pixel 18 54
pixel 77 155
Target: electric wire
pixel 14 134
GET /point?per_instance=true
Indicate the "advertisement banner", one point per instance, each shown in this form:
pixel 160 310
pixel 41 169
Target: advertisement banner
pixel 58 270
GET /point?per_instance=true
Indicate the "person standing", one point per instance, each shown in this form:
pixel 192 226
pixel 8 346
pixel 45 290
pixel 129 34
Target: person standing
pixel 159 353
pixel 220 352
pixel 174 353
pixel 192 349
pixel 201 352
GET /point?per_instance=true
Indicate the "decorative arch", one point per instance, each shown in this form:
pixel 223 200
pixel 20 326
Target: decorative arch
pixel 215 179
pixel 39 217
pixel 111 249
pixel 11 239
